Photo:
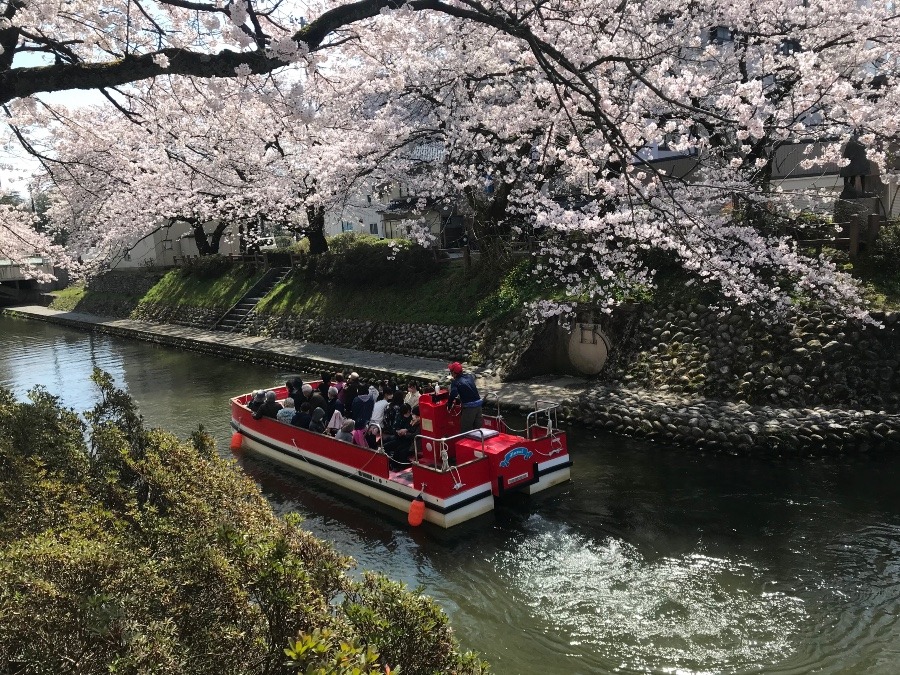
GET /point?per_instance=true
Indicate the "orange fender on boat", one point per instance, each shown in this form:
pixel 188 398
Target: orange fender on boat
pixel 237 440
pixel 416 511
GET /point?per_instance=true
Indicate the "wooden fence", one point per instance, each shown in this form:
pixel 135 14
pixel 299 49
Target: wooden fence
pixel 263 260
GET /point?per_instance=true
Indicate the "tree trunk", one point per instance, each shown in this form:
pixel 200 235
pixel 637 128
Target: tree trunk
pixel 208 244
pixel 315 230
pixel 204 248
pixel 216 238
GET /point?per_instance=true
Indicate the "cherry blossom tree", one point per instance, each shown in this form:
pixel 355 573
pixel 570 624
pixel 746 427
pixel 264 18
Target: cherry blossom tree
pixel 555 104
pixel 221 154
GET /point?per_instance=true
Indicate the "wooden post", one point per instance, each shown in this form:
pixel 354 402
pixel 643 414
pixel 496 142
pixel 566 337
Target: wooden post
pixel 874 226
pixel 467 257
pixel 854 235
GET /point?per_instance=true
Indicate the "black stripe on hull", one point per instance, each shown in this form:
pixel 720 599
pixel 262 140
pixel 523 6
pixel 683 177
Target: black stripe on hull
pixel 359 479
pixel 553 469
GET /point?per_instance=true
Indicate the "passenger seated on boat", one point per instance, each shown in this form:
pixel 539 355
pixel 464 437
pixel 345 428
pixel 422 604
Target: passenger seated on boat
pixel 302 417
pixel 359 436
pixel 317 421
pixel 313 397
pixel 293 388
pixel 362 409
pixel 412 393
pixel 338 382
pixel 373 436
pixel 353 389
pixel 405 430
pixel 269 408
pixel 287 411
pixel 346 432
pixel 334 412
pixel 334 403
pixel 380 407
pixel 259 397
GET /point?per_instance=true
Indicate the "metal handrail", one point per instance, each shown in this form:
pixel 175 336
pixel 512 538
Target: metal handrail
pixel 492 393
pixel 552 417
pixel 443 444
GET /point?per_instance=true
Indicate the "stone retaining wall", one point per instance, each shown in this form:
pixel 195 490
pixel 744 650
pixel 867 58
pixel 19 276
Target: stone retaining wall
pixel 116 293
pixel 180 315
pixel 444 342
pixel 813 360
pixel 732 426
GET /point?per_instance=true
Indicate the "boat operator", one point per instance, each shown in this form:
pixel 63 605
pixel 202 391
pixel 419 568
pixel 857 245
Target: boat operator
pixel 463 389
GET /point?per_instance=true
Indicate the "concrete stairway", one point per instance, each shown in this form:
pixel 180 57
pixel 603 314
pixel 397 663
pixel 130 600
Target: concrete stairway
pixel 234 317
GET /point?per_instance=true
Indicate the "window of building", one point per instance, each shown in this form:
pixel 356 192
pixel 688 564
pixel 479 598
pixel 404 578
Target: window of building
pixel 718 35
pixel 373 228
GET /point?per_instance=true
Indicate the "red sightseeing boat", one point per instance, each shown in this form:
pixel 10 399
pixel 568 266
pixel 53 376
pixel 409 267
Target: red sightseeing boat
pixel 458 476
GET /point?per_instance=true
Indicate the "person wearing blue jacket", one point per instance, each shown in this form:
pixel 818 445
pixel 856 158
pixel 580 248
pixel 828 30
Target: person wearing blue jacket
pixel 463 389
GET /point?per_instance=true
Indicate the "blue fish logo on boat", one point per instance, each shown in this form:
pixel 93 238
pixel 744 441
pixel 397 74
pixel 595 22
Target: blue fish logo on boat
pixel 524 453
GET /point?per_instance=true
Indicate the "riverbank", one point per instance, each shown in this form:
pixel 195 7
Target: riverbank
pixel 691 421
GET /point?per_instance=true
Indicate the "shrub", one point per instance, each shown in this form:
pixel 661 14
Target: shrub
pixel 207 267
pixel 517 287
pixel 884 256
pixel 146 554
pixel 353 257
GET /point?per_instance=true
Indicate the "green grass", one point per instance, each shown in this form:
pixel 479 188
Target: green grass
pixel 449 297
pixel 224 291
pixel 883 293
pixel 67 299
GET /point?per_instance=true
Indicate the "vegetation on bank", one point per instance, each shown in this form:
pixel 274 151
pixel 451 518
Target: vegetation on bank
pixel 69 298
pixel 363 277
pixel 213 283
pixel 133 552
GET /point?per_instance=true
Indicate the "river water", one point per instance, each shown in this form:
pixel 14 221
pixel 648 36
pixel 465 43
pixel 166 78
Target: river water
pixel 650 560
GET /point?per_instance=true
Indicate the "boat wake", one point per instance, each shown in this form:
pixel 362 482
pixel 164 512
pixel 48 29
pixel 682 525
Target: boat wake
pixel 693 613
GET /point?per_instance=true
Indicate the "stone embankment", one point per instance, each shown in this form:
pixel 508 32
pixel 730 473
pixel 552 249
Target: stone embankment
pixel 691 376
pixel 179 315
pixel 733 427
pixel 810 360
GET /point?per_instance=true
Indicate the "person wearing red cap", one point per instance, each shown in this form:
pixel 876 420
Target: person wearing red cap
pixel 463 389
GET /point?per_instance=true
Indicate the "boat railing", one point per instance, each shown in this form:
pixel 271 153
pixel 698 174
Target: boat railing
pixel 442 445
pixel 496 395
pixel 551 411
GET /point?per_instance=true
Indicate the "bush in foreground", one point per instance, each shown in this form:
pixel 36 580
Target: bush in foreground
pixel 133 552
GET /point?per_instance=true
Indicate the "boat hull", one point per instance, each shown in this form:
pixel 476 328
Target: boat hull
pixel 458 475
pixel 441 512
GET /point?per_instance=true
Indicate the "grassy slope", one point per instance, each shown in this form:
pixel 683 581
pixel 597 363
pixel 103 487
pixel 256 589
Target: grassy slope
pixel 449 297
pixel 223 291
pixel 67 299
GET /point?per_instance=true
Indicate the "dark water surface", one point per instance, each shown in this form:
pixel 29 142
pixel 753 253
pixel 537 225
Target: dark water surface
pixel 651 560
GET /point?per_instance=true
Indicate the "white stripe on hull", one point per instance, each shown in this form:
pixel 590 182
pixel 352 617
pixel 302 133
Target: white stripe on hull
pixel 450 519
pixel 558 476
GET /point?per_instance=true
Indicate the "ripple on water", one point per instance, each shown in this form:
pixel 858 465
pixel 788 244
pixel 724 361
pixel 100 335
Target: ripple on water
pixel 678 614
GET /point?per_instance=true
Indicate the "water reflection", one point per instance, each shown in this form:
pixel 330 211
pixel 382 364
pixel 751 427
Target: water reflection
pixel 650 560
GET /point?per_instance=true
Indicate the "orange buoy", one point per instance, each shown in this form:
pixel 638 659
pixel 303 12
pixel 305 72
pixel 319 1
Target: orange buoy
pixel 416 511
pixel 237 440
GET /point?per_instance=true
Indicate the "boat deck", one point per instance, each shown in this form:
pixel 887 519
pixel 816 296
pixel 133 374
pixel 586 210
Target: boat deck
pixel 404 477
